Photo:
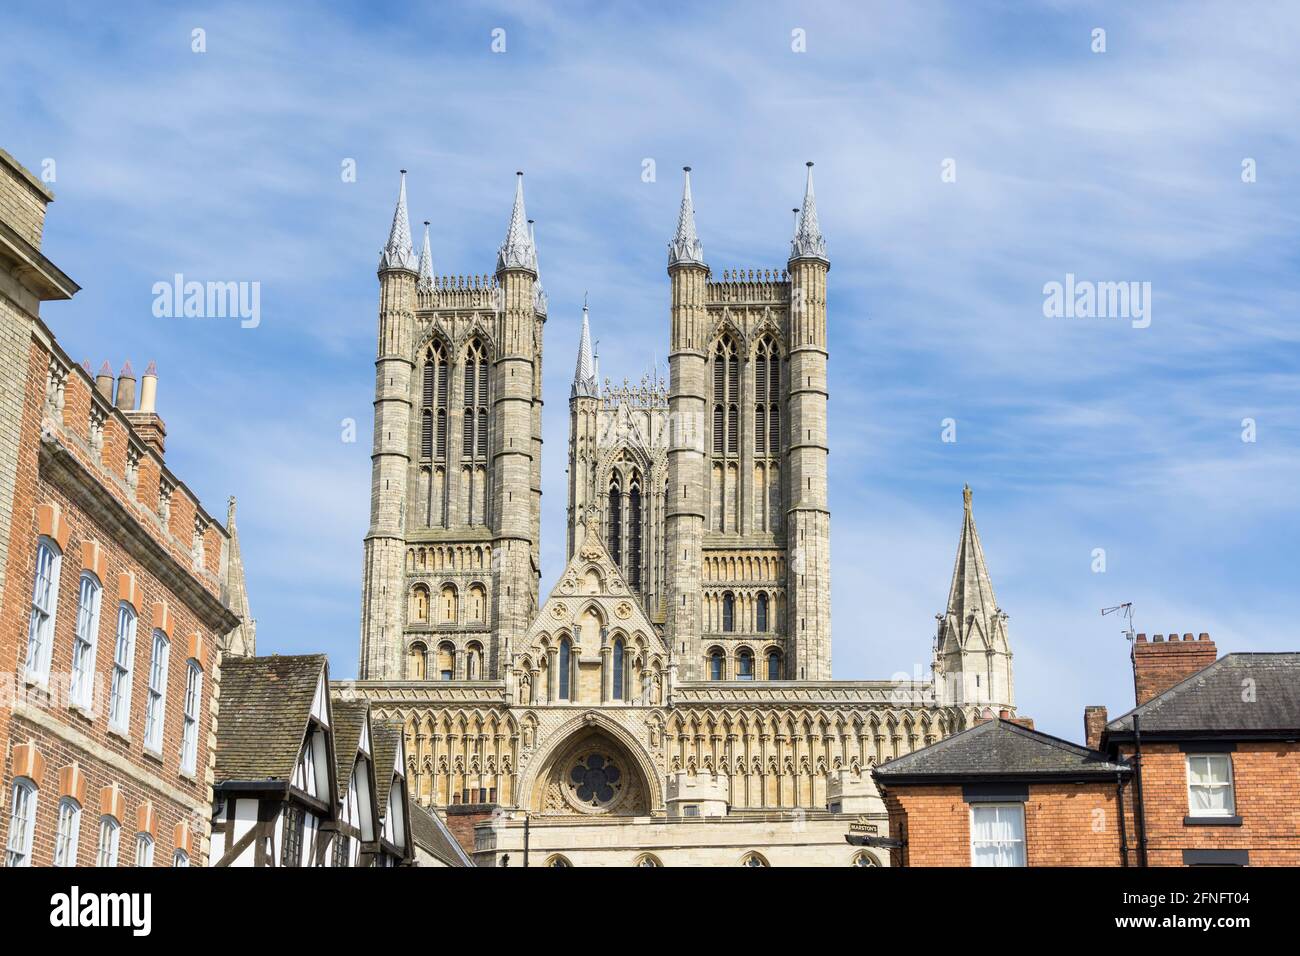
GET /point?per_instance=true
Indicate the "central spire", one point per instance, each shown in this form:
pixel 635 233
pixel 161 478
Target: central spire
pixel 517 251
pixel 808 242
pixel 398 253
pixel 584 376
pixel 425 281
pixel 685 246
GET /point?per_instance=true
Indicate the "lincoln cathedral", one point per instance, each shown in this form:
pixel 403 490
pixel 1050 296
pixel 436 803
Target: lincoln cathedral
pixel 668 701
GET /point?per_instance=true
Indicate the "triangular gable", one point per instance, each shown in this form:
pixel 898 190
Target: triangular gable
pixel 320 702
pixel 573 593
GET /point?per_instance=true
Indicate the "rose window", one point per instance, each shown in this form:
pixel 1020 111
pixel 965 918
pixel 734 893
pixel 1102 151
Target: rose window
pixel 595 781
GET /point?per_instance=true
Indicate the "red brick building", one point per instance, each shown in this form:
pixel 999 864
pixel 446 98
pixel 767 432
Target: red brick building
pixel 1215 747
pixel 114 591
pixel 1002 794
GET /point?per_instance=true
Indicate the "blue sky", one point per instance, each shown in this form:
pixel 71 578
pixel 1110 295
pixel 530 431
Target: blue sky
pixel 1075 434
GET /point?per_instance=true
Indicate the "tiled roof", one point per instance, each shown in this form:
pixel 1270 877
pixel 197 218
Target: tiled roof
pixel 431 834
pixel 1251 693
pixel 999 748
pixel 384 742
pixel 349 717
pixel 265 704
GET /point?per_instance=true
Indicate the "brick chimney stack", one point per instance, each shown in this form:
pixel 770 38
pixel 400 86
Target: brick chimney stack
pixel 148 425
pixel 1094 723
pixel 1159 664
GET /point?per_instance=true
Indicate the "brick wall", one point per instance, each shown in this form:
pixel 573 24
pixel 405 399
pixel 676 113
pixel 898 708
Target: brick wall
pixel 1160 664
pixel 42 717
pixel 1066 824
pixel 1266 778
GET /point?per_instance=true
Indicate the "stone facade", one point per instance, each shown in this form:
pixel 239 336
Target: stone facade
pixel 671 700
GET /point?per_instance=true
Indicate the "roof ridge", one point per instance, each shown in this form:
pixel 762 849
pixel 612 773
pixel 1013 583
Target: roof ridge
pixel 1164 694
pixel 1059 742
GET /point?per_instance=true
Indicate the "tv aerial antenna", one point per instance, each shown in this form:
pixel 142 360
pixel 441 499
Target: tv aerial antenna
pixel 1125 611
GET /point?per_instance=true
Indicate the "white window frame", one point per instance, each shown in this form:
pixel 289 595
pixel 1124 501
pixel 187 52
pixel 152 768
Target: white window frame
pixel 180 859
pixel 44 609
pixel 156 705
pixel 1020 809
pixel 144 849
pixel 119 704
pixel 68 835
pixel 22 822
pixel 1230 785
pixel 82 687
pixel 110 834
pixel 190 728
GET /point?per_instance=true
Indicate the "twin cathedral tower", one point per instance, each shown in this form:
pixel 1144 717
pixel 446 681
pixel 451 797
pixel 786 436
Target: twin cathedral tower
pixel 708 493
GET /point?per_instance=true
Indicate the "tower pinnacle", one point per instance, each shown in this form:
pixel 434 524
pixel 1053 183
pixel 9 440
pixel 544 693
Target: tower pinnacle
pixel 584 376
pixel 808 242
pixel 517 251
pixel 425 282
pixel 398 253
pixel 685 246
pixel 539 294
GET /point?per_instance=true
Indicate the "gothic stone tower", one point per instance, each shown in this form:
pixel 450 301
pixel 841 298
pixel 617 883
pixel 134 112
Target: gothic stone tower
pixel 451 557
pixel 618 471
pixel 747 524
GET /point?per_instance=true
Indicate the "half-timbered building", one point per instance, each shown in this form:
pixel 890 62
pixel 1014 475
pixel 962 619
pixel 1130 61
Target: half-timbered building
pixel 276 795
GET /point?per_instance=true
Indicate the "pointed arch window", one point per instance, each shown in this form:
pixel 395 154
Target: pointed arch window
pixel 565 668
pixel 728 612
pixel 726 396
pixel 433 402
pixel 767 398
pixel 760 614
pixel 615 536
pixel 474 444
pixel 634 534
pixel 619 667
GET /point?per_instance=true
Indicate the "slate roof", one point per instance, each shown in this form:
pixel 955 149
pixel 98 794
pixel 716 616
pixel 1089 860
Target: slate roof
pixel 349 717
pixel 265 704
pixel 431 834
pixel 385 739
pixel 1211 700
pixel 998 749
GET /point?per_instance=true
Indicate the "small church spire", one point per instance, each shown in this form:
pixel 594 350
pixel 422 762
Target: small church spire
pixel 517 251
pixel 425 282
pixel 808 242
pixel 972 590
pixel 685 246
pixel 972 649
pixel 398 253
pixel 585 384
pixel 242 641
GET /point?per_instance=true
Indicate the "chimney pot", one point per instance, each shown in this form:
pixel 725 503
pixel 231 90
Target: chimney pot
pixel 126 388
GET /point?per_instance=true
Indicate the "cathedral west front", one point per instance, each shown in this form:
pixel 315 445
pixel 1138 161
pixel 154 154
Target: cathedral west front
pixel 668 699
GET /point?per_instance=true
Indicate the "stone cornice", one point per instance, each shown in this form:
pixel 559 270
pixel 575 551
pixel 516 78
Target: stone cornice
pixel 69 474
